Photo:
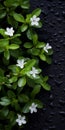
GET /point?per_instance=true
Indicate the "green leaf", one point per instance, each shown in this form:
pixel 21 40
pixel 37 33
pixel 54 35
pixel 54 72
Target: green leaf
pixel 45 79
pixel 30 34
pixel 42 57
pixel 34 51
pixel 4 112
pixel 30 82
pixel 36 90
pixel 50 52
pixel 28 66
pixel 21 82
pixel 14 69
pixel 11 94
pixel 28 16
pixel 26 107
pixel 18 17
pixel 14 86
pixel 10 3
pixel 35 39
pixel 2 32
pixel 1 49
pixel 11 117
pixel 7 54
pixel 1 7
pixel 16 35
pixel 2 14
pixel 30 63
pixel 40 25
pixel 46 86
pixel 24 27
pixel 13 46
pixel 1 72
pixel 2 79
pixel 12 22
pixel 28 45
pixel 4 43
pixel 16 53
pixel 23 98
pixel 36 12
pixel 48 60
pixel 40 44
pixel 13 79
pixel 16 41
pixel 5 101
pixel 39 103
pixel 25 4
pixel 0 87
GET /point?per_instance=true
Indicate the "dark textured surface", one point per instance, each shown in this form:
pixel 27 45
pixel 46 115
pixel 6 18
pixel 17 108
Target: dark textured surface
pixel 52 117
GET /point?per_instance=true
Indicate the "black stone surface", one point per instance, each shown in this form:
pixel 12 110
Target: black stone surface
pixel 52 117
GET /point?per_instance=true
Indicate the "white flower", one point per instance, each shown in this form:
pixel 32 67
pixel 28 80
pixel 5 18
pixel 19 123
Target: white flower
pixel 34 20
pixel 21 120
pixel 34 72
pixel 33 108
pixel 9 31
pixel 21 63
pixel 47 47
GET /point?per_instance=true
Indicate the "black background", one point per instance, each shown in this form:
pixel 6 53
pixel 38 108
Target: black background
pixel 52 117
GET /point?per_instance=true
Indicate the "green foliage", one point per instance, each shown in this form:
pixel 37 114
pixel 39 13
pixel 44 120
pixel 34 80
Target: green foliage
pixel 22 82
pixel 18 17
pixel 21 78
pixel 36 12
pixel 4 101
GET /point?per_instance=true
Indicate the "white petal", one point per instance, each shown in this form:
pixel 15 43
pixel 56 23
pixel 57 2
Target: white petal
pixel 45 49
pixel 17 120
pixel 31 111
pixel 34 75
pixel 34 20
pixel 32 23
pixel 24 122
pixel 38 19
pixel 36 23
pixel 33 108
pixel 20 123
pixel 9 31
pixel 48 46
